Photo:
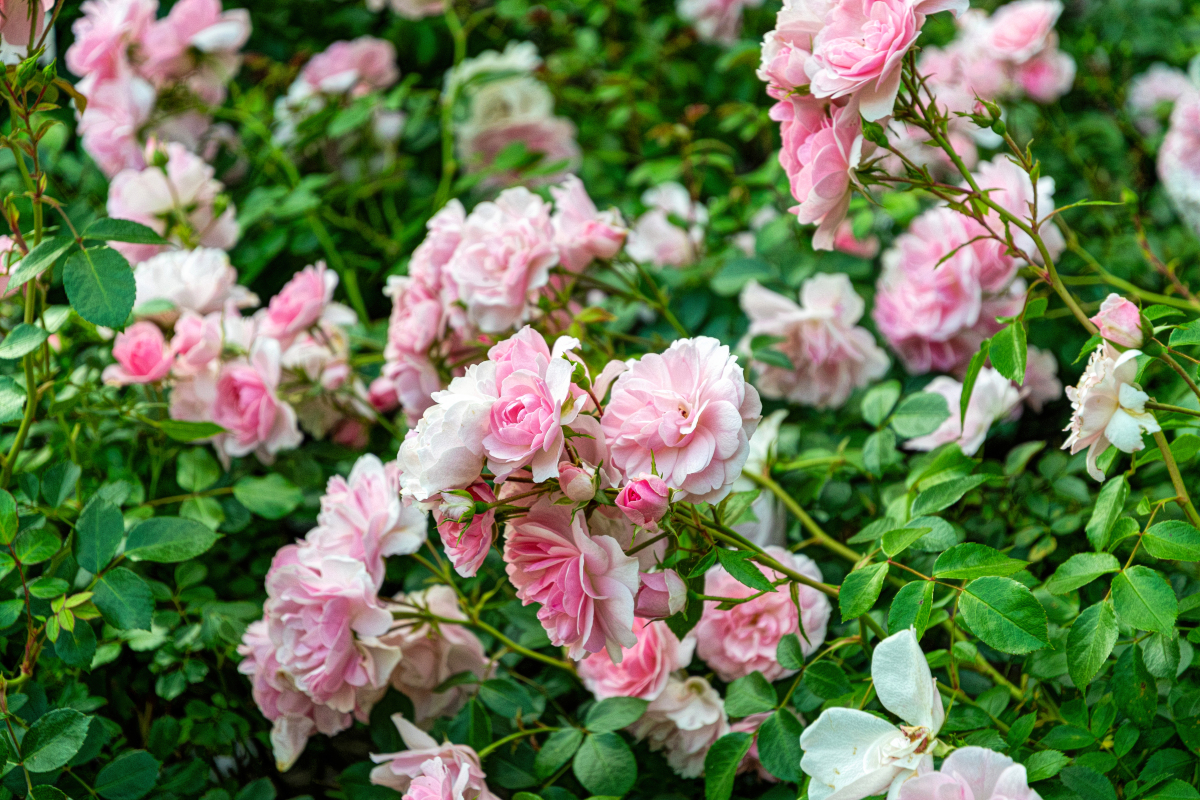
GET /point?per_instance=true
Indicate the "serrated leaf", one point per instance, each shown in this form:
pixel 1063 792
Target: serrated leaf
pixel 605 765
pixel 1008 351
pixel 779 745
pixel 1081 569
pixel 1109 505
pixel 108 229
pixel 919 414
pixel 23 339
pixel 738 565
pixel 615 713
pixel 1044 764
pixel 124 600
pixel 945 494
pixel 789 652
pixel 974 367
pixel 1134 689
pixel 1090 641
pixel 750 694
pixel 1005 615
pixel 1173 540
pixel 97 534
pixel 168 540
pixel 53 739
pixel 100 286
pixel 556 751
pixel 129 776
pixel 860 590
pixel 897 541
pixel 721 764
pixel 970 560
pixel 38 260
pixel 911 608
pixel 1144 600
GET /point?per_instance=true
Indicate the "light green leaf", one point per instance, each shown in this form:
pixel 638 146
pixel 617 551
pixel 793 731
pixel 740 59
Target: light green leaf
pixel 1008 352
pixel 1109 504
pixel 1145 600
pixel 1081 569
pixel 911 607
pixel 919 414
pixel 970 560
pixel 23 339
pixel 1090 641
pixel 721 764
pixel 270 497
pixel 108 229
pixel 124 600
pixel 1173 540
pixel 945 494
pixel 860 590
pixel 1005 615
pixel 879 401
pixel 168 540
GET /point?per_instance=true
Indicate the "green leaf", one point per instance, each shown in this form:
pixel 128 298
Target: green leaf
pixel 58 484
pixel 605 765
pixel 507 698
pixel 556 751
pixel 1086 782
pixel 35 545
pixel 860 590
pixel 750 694
pixel 826 680
pixel 737 564
pixel 615 713
pixel 8 517
pixel 129 776
pixel 184 431
pixel 1044 764
pixel 779 745
pixel 168 540
pixel 920 414
pixel 1081 569
pixel 1109 504
pixel 1188 334
pixel 945 494
pixel 196 470
pixel 1145 600
pixel 479 724
pixel 1173 540
pixel 76 647
pixel 23 339
pixel 97 534
pixel 1018 732
pixel 1005 615
pixel 47 792
pixel 100 286
pixel 1008 352
pixel 974 366
pixel 721 764
pixel 271 497
pixel 911 607
pixel 879 401
pixel 107 229
pixel 970 560
pixel 1175 790
pixel 1018 458
pixel 124 600
pixel 38 260
pixel 1134 689
pixel 260 789
pixel 54 739
pixel 12 400
pixel 1090 641
pixel 879 451
pixel 789 652
pixel 897 541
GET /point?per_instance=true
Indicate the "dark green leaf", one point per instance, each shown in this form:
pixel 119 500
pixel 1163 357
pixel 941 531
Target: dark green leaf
pixel 911 607
pixel 54 739
pixel 23 339
pixel 974 366
pixel 35 545
pixel 1090 641
pixel 605 765
pixel 736 563
pixel 1018 732
pixel 129 776
pixel 38 260
pixel 1109 504
pixel 1088 783
pixel 1081 569
pixel 97 534
pixel 945 494
pixel 970 560
pixel 76 647
pixel 779 745
pixel 168 540
pixel 58 484
pixel 721 764
pixel 8 517
pixel 556 751
pixel 184 431
pixel 270 497
pixel 861 589
pixel 615 713
pixel 789 652
pixel 826 680
pixel 1044 764
pixel 100 286
pixel 107 229
pixel 1134 688
pixel 124 600
pixel 1145 600
pixel 750 694
pixel 1005 615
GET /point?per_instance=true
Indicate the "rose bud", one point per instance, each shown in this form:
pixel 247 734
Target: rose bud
pixel 577 482
pixel 1119 321
pixel 660 595
pixel 644 500
pixel 457 505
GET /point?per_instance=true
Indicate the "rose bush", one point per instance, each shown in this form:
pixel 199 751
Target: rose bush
pixel 449 400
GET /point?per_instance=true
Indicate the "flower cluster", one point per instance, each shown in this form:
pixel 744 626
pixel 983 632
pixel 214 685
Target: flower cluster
pixel 655 239
pixel 135 69
pixel 481 274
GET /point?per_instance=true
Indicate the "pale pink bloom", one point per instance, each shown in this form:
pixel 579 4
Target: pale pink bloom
pixel 435 653
pixel 584 583
pixel 357 67
pixel 117 110
pixel 1108 407
pixel 751 762
pixel 1020 30
pixel 831 354
pixel 551 137
pixel 845 241
pixel 434 252
pixel 467 545
pixel 411 9
pixel 1047 76
pixel 684 720
pixel 15 22
pixel 581 232
pixel 351 433
pixel 860 49
pixel 103 34
pixel 293 714
pixel 655 239
pixel 536 401
pixel 1158 85
pixel 255 419
pixel 196 43
pixel 1012 188
pixel 1179 160
pixel 362 517
pixel 193 396
pixel 992 398
pixel 416 322
pixel 644 668
pixel 505 256
pixel 200 280
pixel 690 412
pixel 1041 384
pixel 577 483
pixel 971 773
pixel 382 395
pixel 142 356
pixel 445 450
pixel 325 622
pixel 159 196
pixel 787 48
pixel 437 783
pixel 744 638
pixel 196 344
pixel 611 521
pixel 398 770
pixel 1119 321
pixel 299 303
pixel 644 499
pixel 660 595
pixel 715 20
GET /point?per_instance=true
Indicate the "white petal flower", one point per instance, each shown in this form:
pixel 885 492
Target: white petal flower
pixel 852 754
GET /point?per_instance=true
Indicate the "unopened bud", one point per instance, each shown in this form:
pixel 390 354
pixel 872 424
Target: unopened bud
pixel 457 505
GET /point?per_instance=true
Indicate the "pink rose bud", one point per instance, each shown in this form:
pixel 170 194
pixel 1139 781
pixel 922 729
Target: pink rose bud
pixel 142 356
pixel 382 395
pixel 1119 321
pixel 644 500
pixel 457 506
pixel 661 595
pixel 577 482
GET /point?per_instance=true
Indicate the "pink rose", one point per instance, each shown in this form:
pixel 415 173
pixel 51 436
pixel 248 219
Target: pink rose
pixel 1048 76
pixel 690 411
pixel 831 354
pixel 432 655
pixel 362 517
pixel 411 9
pixel 581 232
pixel 644 668
pixel 585 584
pixel 551 137
pixel 357 67
pixel 992 398
pixel 715 20
pixel 467 545
pixel 684 720
pixel 610 521
pixel 661 594
pixel 1179 160
pixel 1041 383
pixel 506 253
pixel 971 772
pixel 142 356
pixel 844 241
pixel 200 280
pixel 1018 31
pixel 197 43
pixel 644 499
pixel 860 49
pixel 577 483
pixel 196 343
pixel 324 622
pixel 117 110
pixel 15 24
pixel 246 406
pixel 1120 321
pixel 787 49
pixel 382 395
pixel 655 239
pixel 300 302
pixel 1012 188
pixel 434 252
pixel 751 762
pixel 1156 86
pixel 103 34
pixel 160 197
pixel 744 638
pixel 398 770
